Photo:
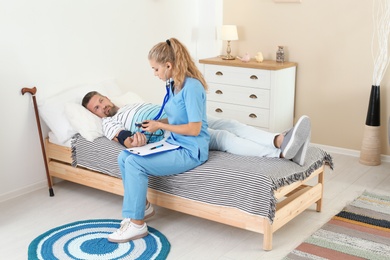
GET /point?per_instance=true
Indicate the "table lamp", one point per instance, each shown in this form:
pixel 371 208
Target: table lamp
pixel 229 33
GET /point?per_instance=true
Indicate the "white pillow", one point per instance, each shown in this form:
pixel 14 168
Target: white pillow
pixel 52 109
pixel 89 125
pixel 83 121
pixel 127 98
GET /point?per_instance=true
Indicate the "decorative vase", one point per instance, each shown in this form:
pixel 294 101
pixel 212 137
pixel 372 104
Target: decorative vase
pixel 280 54
pixel 371 146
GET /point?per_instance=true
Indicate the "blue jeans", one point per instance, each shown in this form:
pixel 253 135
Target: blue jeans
pixel 234 137
pixel 135 170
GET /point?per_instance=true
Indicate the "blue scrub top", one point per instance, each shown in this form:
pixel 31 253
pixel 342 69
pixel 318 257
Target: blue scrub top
pixel 189 105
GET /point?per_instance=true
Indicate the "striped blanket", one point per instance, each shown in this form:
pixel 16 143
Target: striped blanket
pixel 243 182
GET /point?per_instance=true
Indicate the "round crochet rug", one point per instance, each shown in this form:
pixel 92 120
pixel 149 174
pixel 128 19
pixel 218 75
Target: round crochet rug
pixel 88 240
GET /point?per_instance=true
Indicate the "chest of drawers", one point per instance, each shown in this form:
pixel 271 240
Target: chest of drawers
pixel 257 94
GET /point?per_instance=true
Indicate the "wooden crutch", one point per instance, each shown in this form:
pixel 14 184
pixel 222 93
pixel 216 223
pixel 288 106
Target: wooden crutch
pixel 32 91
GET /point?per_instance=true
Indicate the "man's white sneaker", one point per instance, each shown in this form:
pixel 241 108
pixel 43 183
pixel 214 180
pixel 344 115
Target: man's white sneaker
pixel 299 158
pixel 127 232
pixel 296 137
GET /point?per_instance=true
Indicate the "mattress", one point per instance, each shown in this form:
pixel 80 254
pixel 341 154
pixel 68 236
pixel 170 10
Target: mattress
pixel 246 183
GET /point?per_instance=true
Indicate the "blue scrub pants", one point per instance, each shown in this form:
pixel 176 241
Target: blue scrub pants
pixel 135 170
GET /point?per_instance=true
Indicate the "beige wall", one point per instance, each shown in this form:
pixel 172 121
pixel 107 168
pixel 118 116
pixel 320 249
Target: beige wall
pixel 331 42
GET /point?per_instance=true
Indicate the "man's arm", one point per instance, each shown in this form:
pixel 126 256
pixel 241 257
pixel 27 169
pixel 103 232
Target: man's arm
pixel 116 131
pixel 125 138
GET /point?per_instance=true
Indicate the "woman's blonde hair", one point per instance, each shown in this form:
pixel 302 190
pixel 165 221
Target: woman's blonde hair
pixel 173 51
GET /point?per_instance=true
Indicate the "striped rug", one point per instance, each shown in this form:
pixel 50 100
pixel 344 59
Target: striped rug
pixel 87 239
pixel 360 231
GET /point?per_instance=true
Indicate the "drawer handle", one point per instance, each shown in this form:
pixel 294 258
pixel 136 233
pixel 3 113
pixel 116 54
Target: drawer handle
pixel 253 96
pixel 219 92
pixel 254 77
pixel 218 110
pixel 252 115
pixel 218 73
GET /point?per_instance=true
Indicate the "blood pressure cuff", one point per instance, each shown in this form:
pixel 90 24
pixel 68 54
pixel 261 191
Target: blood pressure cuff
pixel 122 136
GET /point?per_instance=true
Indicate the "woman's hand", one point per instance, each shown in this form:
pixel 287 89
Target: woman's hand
pixel 150 126
pixel 138 139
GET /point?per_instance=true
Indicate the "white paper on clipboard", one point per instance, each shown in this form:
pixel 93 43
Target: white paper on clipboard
pixel 152 148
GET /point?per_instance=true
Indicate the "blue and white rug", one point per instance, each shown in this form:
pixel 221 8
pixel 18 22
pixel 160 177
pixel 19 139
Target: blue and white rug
pixel 88 240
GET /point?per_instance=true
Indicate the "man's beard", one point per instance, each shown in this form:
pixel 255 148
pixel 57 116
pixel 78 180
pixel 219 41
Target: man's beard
pixel 113 111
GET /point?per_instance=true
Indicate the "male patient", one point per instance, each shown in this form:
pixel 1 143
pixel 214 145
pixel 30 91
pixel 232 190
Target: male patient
pixel 121 125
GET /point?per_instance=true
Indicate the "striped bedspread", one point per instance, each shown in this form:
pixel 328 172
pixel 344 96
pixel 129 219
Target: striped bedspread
pixel 242 182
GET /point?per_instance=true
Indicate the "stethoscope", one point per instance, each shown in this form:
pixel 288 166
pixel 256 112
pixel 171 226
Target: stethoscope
pixel 169 87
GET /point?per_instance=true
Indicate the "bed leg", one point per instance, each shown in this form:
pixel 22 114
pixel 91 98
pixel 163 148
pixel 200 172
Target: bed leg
pixel 267 239
pixel 32 91
pixel 319 202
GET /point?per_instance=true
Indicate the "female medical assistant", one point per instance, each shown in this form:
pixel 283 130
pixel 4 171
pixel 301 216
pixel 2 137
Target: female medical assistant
pixel 188 105
pixel 185 107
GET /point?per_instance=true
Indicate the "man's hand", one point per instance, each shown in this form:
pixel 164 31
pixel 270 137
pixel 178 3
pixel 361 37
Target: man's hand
pixel 138 139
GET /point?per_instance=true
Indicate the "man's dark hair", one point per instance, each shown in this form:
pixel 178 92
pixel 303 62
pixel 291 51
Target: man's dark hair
pixel 88 97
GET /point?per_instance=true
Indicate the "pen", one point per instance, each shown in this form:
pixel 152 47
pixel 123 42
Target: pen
pixel 158 146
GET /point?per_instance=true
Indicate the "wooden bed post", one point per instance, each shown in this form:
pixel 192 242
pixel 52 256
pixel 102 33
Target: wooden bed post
pixel 320 180
pixel 267 236
pixel 32 91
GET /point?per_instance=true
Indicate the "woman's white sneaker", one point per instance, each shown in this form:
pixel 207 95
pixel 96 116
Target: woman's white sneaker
pixel 149 211
pixel 128 231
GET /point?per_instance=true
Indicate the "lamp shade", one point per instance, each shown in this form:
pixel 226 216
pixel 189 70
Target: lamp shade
pixel 229 33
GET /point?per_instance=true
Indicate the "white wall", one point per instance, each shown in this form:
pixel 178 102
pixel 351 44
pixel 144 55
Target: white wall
pixel 54 45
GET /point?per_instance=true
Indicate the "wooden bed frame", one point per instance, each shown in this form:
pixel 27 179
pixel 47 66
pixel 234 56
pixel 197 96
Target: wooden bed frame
pixel 292 199
pixel 297 196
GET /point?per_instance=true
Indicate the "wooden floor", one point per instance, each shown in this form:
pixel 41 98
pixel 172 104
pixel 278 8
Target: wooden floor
pixel 24 218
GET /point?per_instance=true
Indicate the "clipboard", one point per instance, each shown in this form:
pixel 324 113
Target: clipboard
pixel 152 148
